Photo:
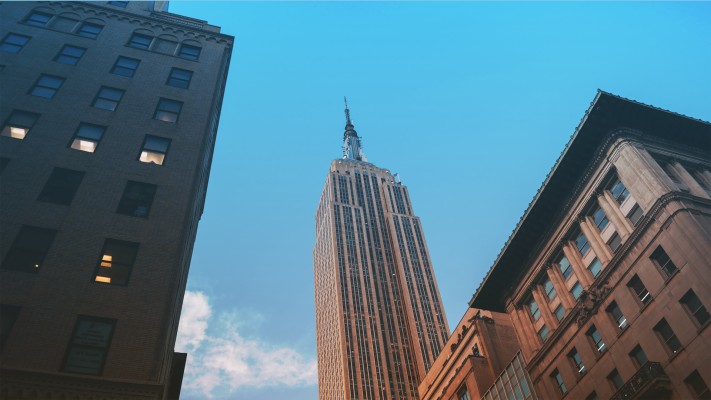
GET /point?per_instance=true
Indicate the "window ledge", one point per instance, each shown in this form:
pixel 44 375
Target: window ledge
pixel 645 305
pixel 703 327
pixel 673 356
pixel 667 280
pixel 624 330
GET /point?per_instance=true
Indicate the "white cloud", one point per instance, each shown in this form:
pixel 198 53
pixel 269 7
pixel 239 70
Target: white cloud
pixel 221 360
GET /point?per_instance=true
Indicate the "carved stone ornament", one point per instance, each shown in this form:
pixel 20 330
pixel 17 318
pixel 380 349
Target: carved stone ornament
pixel 590 301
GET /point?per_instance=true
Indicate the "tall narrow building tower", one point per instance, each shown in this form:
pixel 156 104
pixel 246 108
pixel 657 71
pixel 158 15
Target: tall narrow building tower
pixel 379 317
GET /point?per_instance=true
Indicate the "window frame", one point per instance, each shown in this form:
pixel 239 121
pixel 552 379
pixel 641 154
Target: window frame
pixel 657 258
pixel 173 79
pixel 612 240
pixel 137 44
pixel 96 141
pixel 115 67
pixel 634 355
pixel 61 55
pixel 164 154
pixel 639 291
pixel 595 261
pixel 29 16
pixel 9 124
pixel 21 246
pixel 604 221
pixel 577 361
pixel 165 111
pixel 613 377
pixel 615 313
pixel 53 185
pixel 635 215
pixel 624 193
pixel 558 380
pixel 105 349
pixel 189 57
pixel 107 100
pixel 676 345
pixel 113 264
pixel 126 204
pixel 701 309
pixel 54 90
pixel 568 270
pixel 88 33
pixel 585 247
pixel 5 44
pixel 699 391
pixel 573 288
pixel 600 345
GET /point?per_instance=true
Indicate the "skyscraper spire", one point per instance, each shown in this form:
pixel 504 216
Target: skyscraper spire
pixel 351 142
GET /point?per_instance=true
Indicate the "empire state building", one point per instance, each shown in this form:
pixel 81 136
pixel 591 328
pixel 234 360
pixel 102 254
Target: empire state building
pixel 380 323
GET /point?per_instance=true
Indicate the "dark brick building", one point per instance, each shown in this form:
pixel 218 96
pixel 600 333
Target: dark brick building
pixel 110 112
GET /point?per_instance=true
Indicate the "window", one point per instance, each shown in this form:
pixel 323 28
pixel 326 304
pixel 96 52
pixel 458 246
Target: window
pixel 616 314
pixel 558 380
pixel 140 41
pixel 576 290
pixel 637 287
pixel 13 43
pixel 619 191
pixel 47 86
pixel 19 123
pixel 577 361
pixel 614 242
pixel 61 186
pixel 137 199
pixel 638 356
pixel 697 385
pixel 3 163
pixel 535 311
pixel 582 244
pixel 550 290
pixel 179 78
pixel 8 316
pixel 108 98
pixel 189 52
pixel 635 215
pixel 565 268
pixel 89 30
pixel 90 342
pixel 615 379
pixel 663 261
pixel 595 267
pixel 38 18
pixel 29 249
pixel 87 137
pixel 695 307
pixel 666 334
pixel 463 394
pixel 596 338
pixel 592 396
pixel 154 150
pixel 600 219
pixel 116 263
pixel 125 66
pixel 168 110
pixel 70 55
pixel 559 312
pixel 543 333
pixel 121 4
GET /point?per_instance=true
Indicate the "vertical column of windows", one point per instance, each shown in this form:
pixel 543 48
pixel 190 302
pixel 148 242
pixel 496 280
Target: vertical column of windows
pixel 444 332
pixel 406 196
pixel 343 189
pixel 398 200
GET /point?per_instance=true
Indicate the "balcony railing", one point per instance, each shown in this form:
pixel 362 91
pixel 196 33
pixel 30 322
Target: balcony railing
pixel 646 378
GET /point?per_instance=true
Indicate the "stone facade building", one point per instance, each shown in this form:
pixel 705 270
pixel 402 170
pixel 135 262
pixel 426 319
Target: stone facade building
pixel 110 112
pixel 607 277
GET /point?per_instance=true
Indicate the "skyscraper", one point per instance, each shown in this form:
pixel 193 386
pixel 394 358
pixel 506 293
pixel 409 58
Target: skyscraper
pixel 110 113
pixel 380 323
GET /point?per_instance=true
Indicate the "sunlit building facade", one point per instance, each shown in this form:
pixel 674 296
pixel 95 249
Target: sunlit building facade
pixel 109 114
pixel 380 323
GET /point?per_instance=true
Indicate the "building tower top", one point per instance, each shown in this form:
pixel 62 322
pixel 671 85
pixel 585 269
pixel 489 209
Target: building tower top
pixel 352 149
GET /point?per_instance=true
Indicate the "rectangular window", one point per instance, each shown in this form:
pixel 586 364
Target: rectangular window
pixel 108 98
pixel 168 110
pixel 116 263
pixel 534 310
pixel 3 163
pixel 695 307
pixel 592 396
pixel 576 290
pixel 663 261
pixel 543 333
pixel 635 215
pixel 70 55
pixel 619 191
pixel 558 380
pixel 577 361
pixel 637 287
pixel 550 290
pixel 614 242
pixel 87 137
pixel 600 219
pixel 638 356
pixel 137 199
pixel 37 18
pixel 463 394
pixel 616 314
pixel 88 346
pixel 61 186
pixel 121 4
pixel 29 249
pixel 179 78
pixel 697 385
pixel 89 30
pixel 13 43
pixel 8 316
pixel 125 66
pixel 666 334
pixel 596 339
pixel 615 379
pixel 154 150
pixel 189 52
pixel 559 312
pixel 140 41
pixel 595 267
pixel 19 123
pixel 46 86
pixel 582 244
pixel 565 267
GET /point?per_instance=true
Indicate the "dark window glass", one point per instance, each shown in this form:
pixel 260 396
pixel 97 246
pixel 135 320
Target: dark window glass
pixel 635 215
pixel 140 41
pixel 663 261
pixel 695 307
pixel 615 379
pixel 559 312
pixel 596 338
pixel 189 52
pixel 558 380
pixel 582 244
pixel 13 43
pixel 463 394
pixel 87 137
pixel 565 268
pixel 179 78
pixel 137 199
pixel 70 55
pixel 116 263
pixel 19 123
pixel 47 86
pixel 550 290
pixel 577 361
pixel 90 342
pixel 600 218
pixel 592 396
pixel 61 186
pixel 121 4
pixel 3 163
pixel 38 18
pixel 616 315
pixel 89 30
pixel 635 284
pixel 543 333
pixel 125 66
pixel 576 290
pixel 8 316
pixel 639 356
pixel 108 98
pixel 667 335
pixel 595 267
pixel 614 242
pixel 535 311
pixel 154 150
pixel 619 191
pixel 168 110
pixel 29 249
pixel 697 385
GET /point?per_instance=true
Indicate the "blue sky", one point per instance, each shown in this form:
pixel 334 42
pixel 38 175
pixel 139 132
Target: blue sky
pixel 470 102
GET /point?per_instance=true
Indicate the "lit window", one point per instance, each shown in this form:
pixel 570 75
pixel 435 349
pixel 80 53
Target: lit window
pixel 140 41
pixel 663 261
pixel 90 342
pixel 179 78
pixel 154 150
pixel 543 333
pixel 614 242
pixel 595 267
pixel 615 379
pixel 534 310
pixel 582 244
pixel 619 191
pixel 559 312
pixel 121 4
pixel 558 380
pixel 8 316
pixel 695 307
pixel 116 263
pixel 168 110
pixel 70 55
pixel 38 18
pixel 565 267
pixel 61 186
pixel 19 123
pixel 87 137
pixel 29 249
pixel 189 52
pixel 125 66
pixel 137 199
pixel 108 98
pixel 89 30
pixel 635 215
pixel 638 356
pixel 576 290
pixel 577 361
pixel 596 339
pixel 47 86
pixel 637 287
pixel 550 290
pixel 697 385
pixel 616 314
pixel 13 43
